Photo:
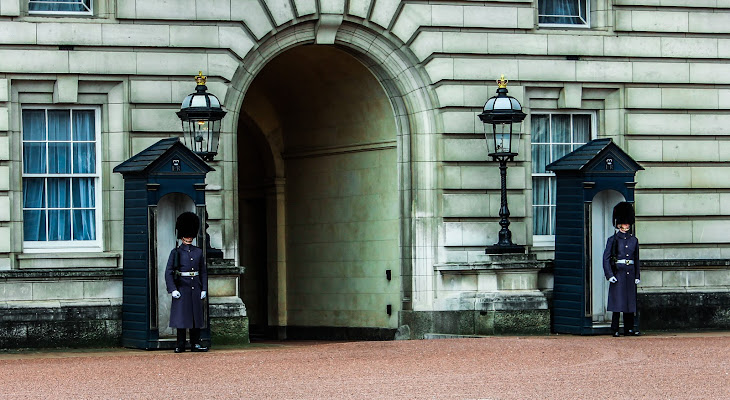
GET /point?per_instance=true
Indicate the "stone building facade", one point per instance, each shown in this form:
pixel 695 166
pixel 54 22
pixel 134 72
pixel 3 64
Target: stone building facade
pixel 352 181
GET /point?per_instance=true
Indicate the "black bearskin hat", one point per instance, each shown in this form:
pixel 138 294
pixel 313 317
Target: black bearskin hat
pixel 623 213
pixel 187 225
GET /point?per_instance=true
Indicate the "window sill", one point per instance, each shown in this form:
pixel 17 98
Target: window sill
pixel 543 242
pixel 55 247
pixel 564 27
pixel 65 18
pixel 49 260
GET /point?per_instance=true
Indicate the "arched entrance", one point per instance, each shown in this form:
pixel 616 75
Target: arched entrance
pixel 319 201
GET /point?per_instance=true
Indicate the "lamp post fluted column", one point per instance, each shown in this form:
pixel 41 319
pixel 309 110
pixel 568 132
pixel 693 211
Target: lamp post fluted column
pixel 505 236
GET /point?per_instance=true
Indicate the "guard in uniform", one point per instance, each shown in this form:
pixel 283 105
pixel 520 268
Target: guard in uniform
pixel 622 250
pixel 187 283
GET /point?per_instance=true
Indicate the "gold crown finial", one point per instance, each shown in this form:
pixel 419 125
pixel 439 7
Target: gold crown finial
pixel 502 83
pixel 201 78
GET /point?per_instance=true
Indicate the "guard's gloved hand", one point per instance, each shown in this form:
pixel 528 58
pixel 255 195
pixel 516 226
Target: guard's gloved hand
pixel 203 294
pixel 175 294
pixel 636 281
pixel 613 279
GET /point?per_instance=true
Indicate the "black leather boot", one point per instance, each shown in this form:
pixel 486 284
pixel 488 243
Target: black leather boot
pixel 198 348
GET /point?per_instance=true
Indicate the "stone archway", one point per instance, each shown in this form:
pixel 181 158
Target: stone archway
pixel 413 155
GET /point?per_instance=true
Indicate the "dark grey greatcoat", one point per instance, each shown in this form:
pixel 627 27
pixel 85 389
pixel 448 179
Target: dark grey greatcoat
pixel 622 294
pixel 187 311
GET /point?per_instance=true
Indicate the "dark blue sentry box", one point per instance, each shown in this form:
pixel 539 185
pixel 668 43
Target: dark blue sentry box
pixel 166 167
pixel 590 181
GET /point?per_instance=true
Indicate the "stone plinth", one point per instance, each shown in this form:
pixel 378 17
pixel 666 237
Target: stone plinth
pixel 497 295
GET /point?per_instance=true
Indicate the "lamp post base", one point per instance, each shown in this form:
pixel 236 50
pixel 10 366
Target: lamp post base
pixel 504 249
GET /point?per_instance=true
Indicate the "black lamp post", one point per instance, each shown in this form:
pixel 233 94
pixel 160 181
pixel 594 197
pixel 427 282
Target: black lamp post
pixel 501 112
pixel 201 114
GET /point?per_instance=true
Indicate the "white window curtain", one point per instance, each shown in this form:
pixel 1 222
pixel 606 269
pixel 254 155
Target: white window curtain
pixel 567 12
pixel 552 137
pixel 59 175
pixel 60 6
pixel 541 156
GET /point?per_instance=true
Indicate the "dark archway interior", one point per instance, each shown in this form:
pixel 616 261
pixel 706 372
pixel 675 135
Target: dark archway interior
pixel 318 128
pixel 255 179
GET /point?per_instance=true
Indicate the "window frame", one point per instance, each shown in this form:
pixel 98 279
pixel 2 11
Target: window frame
pixel 61 13
pixel 586 24
pixel 67 246
pixel 549 240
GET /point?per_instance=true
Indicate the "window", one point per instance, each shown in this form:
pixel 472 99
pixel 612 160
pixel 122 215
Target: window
pixel 553 136
pixel 563 12
pixel 76 7
pixel 60 178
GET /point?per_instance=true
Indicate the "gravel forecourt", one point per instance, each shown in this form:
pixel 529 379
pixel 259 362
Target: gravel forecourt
pixel 666 366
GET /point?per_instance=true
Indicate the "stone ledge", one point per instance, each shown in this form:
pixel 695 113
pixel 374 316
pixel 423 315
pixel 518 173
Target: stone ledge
pixel 511 301
pixel 215 270
pixel 508 300
pixel 495 263
pixel 47 273
pixel 659 290
pixel 227 307
pixel 224 266
pixel 434 336
pixel 702 264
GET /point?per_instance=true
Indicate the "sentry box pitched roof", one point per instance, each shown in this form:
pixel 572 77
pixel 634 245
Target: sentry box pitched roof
pixel 596 156
pixel 150 159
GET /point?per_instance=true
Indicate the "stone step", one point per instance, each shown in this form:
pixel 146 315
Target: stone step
pixel 450 336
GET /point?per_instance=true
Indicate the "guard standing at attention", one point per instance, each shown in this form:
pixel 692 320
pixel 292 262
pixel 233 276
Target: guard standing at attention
pixel 621 267
pixel 186 277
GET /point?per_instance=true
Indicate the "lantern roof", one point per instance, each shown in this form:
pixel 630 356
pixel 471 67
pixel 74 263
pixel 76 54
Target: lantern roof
pixel 201 104
pixel 502 109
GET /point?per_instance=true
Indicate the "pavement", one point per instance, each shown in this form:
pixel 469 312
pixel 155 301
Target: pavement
pixel 654 366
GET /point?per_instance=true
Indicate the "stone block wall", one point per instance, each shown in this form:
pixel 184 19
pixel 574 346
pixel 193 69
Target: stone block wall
pixel 60 324
pixel 654 73
pixel 684 294
pixel 60 307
